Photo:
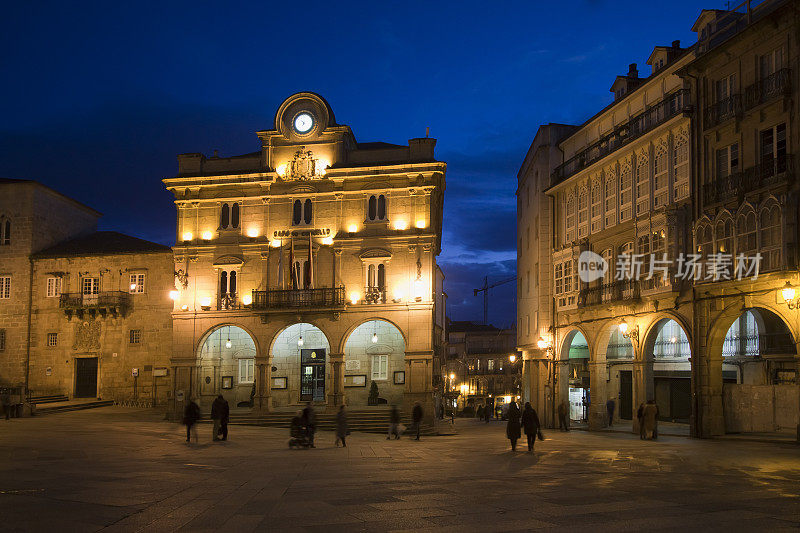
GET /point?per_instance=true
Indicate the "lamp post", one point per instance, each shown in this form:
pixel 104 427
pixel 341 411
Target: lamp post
pixel 788 293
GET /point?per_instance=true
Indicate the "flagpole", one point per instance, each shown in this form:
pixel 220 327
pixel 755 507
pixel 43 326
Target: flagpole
pixel 310 261
pixel 281 273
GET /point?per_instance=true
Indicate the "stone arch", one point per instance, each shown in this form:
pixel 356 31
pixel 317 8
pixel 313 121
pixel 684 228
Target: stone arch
pixel 225 360
pixel 290 360
pixel 221 325
pixel 375 348
pixel 574 374
pixel 721 323
pixel 288 325
pixel 349 330
pixel 650 334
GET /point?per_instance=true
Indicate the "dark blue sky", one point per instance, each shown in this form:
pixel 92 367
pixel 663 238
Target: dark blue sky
pixel 98 99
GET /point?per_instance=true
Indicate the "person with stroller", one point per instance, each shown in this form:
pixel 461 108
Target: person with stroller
pixel 297 432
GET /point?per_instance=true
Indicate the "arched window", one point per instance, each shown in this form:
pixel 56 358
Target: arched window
pixel 223 283
pixel 642 185
pixel 770 233
pixel 625 192
pixel 660 173
pixel 705 241
pixel 583 213
pixel 371 276
pixel 381 277
pixel 746 234
pixel 307 212
pixel 297 213
pixel 680 164
pixel 372 209
pixel 235 215
pixel 725 236
pixel 224 216
pixel 569 219
pixel 232 283
pixel 596 209
pixel 611 200
pixel 381 207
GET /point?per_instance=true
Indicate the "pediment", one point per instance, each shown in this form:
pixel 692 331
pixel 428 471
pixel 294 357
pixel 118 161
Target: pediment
pixel 375 253
pixel 228 261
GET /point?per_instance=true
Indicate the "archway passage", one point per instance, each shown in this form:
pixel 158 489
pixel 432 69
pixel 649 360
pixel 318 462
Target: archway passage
pixel 578 378
pixel 759 373
pixel 619 358
pixel 301 372
pixel 375 353
pixel 226 365
pixel 668 351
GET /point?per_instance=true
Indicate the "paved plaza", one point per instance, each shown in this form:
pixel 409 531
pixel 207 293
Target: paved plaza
pixel 117 469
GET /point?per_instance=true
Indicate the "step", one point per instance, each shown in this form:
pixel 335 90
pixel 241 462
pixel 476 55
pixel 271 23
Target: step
pixel 48 399
pixel 73 407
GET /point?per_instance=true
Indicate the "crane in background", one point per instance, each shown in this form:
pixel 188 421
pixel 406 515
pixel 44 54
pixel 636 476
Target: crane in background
pixel 485 290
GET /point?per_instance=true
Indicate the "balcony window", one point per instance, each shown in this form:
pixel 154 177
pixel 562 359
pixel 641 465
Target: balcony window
pixel 680 164
pixel 375 291
pixel 136 283
pixel 773 150
pixel 302 212
pixel 53 287
pixel 727 160
pixel 625 193
pixel 583 213
pixel 376 208
pixel 642 185
pixel 770 233
pixel 227 289
pixel 772 62
pixel 746 233
pixel 610 199
pixel 90 288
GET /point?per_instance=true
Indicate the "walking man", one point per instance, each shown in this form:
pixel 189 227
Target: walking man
pixel 530 423
pixel 513 426
pixel 341 427
pixel 310 418
pixel 563 413
pixel 610 405
pixel 416 417
pixel 220 413
pixel 394 422
pixel 191 414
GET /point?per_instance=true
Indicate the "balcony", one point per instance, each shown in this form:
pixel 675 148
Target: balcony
pixel 771 172
pixel 723 110
pixel 276 300
pixel 671 106
pixel 112 303
pixel 374 295
pixel 615 291
pixel 774 85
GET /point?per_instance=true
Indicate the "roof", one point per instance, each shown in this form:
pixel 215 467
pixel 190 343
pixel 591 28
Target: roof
pixel 378 146
pixel 11 181
pixel 457 326
pixel 102 243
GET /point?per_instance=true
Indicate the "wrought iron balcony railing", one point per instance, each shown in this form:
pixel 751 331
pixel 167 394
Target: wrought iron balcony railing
pixel 723 110
pixel 107 302
pixel 299 298
pixel 669 107
pixel 609 292
pixel 774 85
pixel 770 172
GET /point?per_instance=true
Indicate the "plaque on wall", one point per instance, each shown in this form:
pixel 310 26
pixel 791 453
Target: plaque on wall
pixel 357 380
pixel 227 382
pixel 352 365
pixel 399 377
pixel 278 383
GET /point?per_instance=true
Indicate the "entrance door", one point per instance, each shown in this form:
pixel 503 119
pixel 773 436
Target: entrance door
pixel 626 394
pixel 86 377
pixel 312 375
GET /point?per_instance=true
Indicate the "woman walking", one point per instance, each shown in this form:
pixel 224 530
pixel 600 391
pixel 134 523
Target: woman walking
pixel 530 422
pixel 513 431
pixel 191 414
pixel 341 427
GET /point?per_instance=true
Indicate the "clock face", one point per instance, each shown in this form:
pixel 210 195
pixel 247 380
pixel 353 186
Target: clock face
pixel 303 122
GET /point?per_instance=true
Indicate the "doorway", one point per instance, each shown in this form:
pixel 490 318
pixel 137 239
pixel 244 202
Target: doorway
pixel 312 375
pixel 86 377
pixel 626 394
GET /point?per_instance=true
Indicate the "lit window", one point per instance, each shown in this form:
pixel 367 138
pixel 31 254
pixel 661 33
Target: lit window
pixel 137 284
pixel 380 367
pixel 135 336
pixel 52 339
pixel 5 287
pixel 2 340
pixel 53 287
pixel 247 370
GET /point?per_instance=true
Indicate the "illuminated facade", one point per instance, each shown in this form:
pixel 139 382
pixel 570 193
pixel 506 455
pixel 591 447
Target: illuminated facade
pixel 307 270
pixel 695 159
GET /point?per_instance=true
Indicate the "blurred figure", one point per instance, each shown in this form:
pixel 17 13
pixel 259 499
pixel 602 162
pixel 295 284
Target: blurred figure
pixel 310 423
pixel 5 400
pixel 640 418
pixel 563 416
pixel 650 419
pixel 220 413
pixel 610 406
pixel 530 422
pixel 297 431
pixel 341 427
pixel 416 417
pixel 513 431
pixel 394 421
pixel 487 412
pixel 191 414
pixel 479 412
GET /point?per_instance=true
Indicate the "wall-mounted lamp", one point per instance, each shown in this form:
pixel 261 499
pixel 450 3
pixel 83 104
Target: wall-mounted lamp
pixel 788 292
pixel 629 333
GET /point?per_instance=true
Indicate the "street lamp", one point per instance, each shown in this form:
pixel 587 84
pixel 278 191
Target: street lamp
pixel 788 292
pixel 629 333
pixel 512 358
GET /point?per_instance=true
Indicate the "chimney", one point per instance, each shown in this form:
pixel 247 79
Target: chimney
pixel 632 71
pixel 216 153
pixel 676 44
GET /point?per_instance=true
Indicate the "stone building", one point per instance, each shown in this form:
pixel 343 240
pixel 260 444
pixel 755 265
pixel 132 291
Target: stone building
pixel 307 270
pixel 102 325
pixel 483 364
pixel 692 163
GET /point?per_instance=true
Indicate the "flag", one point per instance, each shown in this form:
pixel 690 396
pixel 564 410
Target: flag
pixel 292 266
pixel 310 266
pixel 281 274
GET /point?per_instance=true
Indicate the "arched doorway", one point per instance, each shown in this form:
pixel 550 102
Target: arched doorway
pixel 575 376
pixel 301 373
pixel 619 359
pixel 374 352
pixel 226 365
pixel 759 372
pixel 667 354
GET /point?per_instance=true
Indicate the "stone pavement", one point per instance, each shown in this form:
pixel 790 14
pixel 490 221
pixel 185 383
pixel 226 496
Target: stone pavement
pixel 117 469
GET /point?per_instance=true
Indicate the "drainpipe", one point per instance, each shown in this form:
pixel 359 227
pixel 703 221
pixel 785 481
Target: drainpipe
pixel 30 318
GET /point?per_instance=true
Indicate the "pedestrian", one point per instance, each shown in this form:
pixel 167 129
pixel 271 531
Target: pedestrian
pixel 563 416
pixel 487 412
pixel 479 412
pixel 310 419
pixel 513 431
pixel 394 422
pixel 610 405
pixel 650 419
pixel 191 414
pixel 530 423
pixel 220 412
pixel 416 417
pixel 341 427
pixel 640 418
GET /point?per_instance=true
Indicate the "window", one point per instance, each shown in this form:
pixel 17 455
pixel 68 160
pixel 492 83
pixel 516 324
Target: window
pixel 660 176
pixel 300 274
pixel 137 284
pixel 773 151
pixel 746 233
pixel 376 208
pixel 301 212
pixel 583 213
pixel 229 216
pixel 53 287
pixel 528 282
pixel 597 206
pixel 135 336
pixel 490 364
pixel 725 236
pixel 2 340
pixel 227 283
pixel 680 163
pixel 770 234
pixel 705 240
pixel 558 276
pixel 5 287
pixel 643 246
pixel 627 250
pixel 569 229
pixel 625 193
pixel 728 160
pixel 5 231
pixel 771 62
pixel 608 276
pixel 380 367
pixel 52 339
pixel 611 200
pixel 724 89
pixel 90 286
pixel 642 186
pixel 247 369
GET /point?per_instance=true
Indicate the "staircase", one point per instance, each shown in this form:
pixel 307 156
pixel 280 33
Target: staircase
pixel 365 420
pixel 53 398
pixel 66 406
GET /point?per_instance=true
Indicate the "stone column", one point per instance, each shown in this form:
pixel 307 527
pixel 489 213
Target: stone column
pixel 336 396
pixel 262 401
pixel 597 389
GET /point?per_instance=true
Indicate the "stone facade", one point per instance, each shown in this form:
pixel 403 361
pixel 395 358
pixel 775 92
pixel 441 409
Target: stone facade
pixel 694 159
pixel 366 216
